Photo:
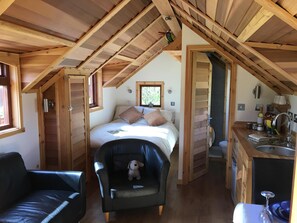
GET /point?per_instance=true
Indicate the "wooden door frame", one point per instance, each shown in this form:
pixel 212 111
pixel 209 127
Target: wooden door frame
pixel 188 108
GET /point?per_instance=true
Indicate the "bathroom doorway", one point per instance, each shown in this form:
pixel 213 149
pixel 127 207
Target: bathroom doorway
pixel 219 105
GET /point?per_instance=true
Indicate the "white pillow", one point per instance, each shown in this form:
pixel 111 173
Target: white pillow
pixel 165 113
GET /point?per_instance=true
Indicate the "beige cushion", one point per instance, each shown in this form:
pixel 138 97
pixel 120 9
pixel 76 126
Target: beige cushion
pixel 155 118
pixel 131 115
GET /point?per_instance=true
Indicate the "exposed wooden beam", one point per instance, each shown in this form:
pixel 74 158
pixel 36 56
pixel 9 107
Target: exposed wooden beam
pixel 256 23
pixel 121 57
pixel 10 58
pixel 223 51
pixel 129 43
pixel 231 36
pixel 23 31
pixel 4 4
pixel 81 41
pixel 168 15
pixel 138 69
pixel 55 51
pixel 176 44
pixel 211 9
pixel 117 35
pixel 141 55
pixel 273 46
pixel 269 77
pixel 51 81
pixel 278 11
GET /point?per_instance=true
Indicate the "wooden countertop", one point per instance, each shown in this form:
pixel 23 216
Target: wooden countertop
pixel 249 146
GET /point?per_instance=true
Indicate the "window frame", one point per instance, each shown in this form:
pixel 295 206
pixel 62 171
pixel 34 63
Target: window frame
pixel 97 92
pixel 13 61
pixel 140 84
pixel 5 81
pixel 94 91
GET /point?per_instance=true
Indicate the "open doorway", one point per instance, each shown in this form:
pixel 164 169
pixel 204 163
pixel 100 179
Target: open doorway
pixel 195 159
pixel 219 106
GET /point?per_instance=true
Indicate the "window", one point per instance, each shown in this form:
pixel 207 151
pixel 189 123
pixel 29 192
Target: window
pixel 93 102
pixel 150 94
pixel 95 91
pixel 5 98
pixel 11 120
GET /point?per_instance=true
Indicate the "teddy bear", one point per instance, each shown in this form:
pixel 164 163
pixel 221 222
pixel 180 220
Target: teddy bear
pixel 133 167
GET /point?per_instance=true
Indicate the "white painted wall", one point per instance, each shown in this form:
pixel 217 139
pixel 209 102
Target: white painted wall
pixel 106 114
pixel 163 68
pixel 27 143
pixel 244 95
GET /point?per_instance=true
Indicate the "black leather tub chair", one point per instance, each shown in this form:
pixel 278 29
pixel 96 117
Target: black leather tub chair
pixel 117 192
pixel 39 196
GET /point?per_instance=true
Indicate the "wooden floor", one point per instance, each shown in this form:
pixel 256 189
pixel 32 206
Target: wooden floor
pixel 205 200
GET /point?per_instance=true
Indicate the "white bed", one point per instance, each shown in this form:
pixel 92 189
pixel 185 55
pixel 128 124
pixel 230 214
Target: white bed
pixel 165 136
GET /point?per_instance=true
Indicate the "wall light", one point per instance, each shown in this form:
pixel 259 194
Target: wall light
pixel 169 91
pixel 129 90
pixel 257 91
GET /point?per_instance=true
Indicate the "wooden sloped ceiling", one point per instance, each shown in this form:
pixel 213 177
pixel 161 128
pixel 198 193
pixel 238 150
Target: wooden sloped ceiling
pixel 117 36
pixel 260 33
pixel 121 36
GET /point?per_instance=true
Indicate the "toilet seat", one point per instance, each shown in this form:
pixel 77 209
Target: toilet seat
pixel 211 136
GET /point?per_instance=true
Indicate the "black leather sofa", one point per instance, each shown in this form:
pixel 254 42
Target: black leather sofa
pixel 117 192
pixel 39 196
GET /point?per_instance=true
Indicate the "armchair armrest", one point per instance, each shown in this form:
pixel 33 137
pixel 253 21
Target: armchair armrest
pixel 58 180
pixel 160 165
pixel 101 171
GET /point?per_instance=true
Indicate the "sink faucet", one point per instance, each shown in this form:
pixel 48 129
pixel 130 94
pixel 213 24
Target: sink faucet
pixel 289 134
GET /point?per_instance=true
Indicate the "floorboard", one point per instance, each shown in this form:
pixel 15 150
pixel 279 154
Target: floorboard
pixel 204 200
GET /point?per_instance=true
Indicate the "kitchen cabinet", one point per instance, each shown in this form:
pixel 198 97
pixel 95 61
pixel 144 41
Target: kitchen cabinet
pixel 64 123
pixel 243 173
pixel 257 171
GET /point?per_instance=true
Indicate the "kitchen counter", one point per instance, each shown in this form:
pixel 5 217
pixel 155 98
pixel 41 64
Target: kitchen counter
pixel 249 146
pixel 244 156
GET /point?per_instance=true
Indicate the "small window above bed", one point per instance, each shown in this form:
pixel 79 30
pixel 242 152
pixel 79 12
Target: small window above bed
pixel 150 94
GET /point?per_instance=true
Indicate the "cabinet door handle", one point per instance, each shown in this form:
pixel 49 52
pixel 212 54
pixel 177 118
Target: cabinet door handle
pixel 70 108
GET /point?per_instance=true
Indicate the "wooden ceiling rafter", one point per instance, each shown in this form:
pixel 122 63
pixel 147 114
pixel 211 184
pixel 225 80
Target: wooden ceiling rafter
pixel 211 9
pixel 168 15
pixel 47 52
pixel 131 64
pixel 251 63
pixel 128 44
pixel 121 57
pixel 227 54
pixel 117 35
pixel 138 69
pixel 256 23
pixel 279 12
pixel 245 47
pixel 31 33
pixel 273 46
pixel 4 5
pixel 273 80
pixel 81 41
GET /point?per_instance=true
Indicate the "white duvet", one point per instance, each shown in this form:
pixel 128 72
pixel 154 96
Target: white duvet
pixel 164 136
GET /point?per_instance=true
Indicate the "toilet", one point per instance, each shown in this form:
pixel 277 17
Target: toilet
pixel 224 145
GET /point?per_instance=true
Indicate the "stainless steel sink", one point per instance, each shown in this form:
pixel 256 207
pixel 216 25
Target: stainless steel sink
pixel 276 150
